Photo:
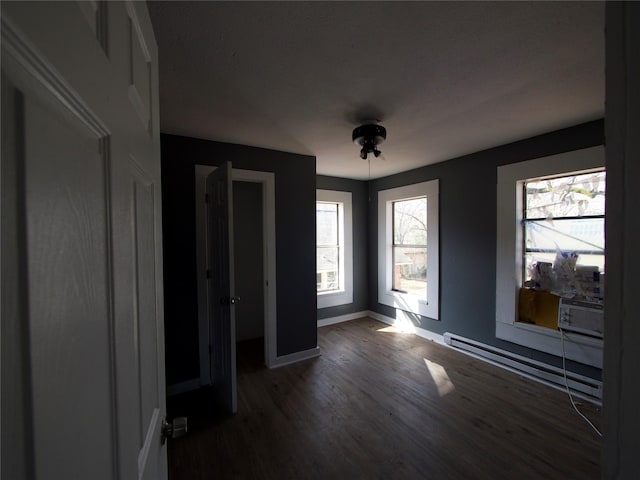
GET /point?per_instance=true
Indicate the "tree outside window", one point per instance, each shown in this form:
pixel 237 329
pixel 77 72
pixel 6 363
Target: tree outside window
pixel 410 246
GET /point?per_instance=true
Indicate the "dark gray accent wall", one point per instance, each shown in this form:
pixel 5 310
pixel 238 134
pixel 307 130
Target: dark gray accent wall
pixel 359 205
pixel 295 185
pixel 467 187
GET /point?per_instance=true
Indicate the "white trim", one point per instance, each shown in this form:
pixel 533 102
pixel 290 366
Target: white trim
pixel 430 306
pixel 420 332
pixel 381 318
pixel 581 348
pixel 182 387
pixel 345 219
pixel 342 318
pixel 429 335
pixel 509 255
pixel 267 179
pixel 295 357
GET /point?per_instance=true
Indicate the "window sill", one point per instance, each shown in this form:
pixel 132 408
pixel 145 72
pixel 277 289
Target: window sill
pixel 581 348
pixel 408 303
pixel 333 299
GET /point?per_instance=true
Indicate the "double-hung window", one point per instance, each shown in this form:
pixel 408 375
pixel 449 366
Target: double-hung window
pixel 409 249
pixel 550 218
pixel 334 263
pixel 408 272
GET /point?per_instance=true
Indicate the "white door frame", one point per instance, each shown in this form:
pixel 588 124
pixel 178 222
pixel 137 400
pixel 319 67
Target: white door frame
pixel 267 179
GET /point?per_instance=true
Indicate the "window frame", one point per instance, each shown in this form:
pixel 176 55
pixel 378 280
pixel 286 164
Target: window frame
pixel 510 254
pixel 345 233
pixel 386 295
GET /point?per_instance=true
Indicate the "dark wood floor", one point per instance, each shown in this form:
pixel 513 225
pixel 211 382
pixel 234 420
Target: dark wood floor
pixel 387 405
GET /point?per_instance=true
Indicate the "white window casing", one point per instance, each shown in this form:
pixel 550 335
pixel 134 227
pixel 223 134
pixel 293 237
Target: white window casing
pixel 428 307
pixel 509 255
pixel 345 221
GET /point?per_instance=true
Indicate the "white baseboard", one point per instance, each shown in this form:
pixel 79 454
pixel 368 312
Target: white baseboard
pixel 342 318
pixel 421 332
pixel 182 387
pixel 429 335
pixel 295 357
pixel 381 318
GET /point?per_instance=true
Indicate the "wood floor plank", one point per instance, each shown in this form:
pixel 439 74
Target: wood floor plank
pixel 383 404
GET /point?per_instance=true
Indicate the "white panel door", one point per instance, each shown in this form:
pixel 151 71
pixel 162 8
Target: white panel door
pixel 221 286
pixel 83 392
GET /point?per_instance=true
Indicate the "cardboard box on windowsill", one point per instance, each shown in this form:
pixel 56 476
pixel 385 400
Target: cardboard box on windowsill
pixel 538 307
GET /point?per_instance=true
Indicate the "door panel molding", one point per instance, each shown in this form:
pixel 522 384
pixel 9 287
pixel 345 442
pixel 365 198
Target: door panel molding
pixel 21 59
pixel 71 295
pixel 143 208
pixel 140 85
pixel 95 12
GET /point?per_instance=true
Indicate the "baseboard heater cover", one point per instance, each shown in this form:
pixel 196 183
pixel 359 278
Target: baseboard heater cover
pixel 580 385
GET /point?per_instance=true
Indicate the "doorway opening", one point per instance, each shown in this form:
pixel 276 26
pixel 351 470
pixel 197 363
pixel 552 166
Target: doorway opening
pixel 248 263
pixel 262 183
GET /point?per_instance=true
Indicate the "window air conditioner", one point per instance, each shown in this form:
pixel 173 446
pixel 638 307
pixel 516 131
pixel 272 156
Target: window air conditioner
pixel 581 317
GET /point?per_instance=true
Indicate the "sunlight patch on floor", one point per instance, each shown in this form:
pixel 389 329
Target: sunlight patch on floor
pixel 440 378
pixel 399 326
pixel 398 329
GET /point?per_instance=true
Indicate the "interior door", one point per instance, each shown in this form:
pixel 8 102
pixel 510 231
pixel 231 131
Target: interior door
pixel 83 392
pixel 220 272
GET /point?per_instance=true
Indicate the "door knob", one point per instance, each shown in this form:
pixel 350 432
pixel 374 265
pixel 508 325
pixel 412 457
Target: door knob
pixel 177 428
pixel 229 300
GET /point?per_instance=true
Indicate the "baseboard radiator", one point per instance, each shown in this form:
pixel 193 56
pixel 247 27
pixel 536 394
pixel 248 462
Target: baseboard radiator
pixel 582 386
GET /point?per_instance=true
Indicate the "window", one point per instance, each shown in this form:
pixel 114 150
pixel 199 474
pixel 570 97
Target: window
pixel 409 249
pixel 547 207
pixel 408 273
pixel 563 224
pixel 328 254
pixel 334 264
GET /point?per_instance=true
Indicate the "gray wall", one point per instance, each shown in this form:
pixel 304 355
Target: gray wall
pixel 295 183
pixel 359 201
pixel 248 257
pixel 468 234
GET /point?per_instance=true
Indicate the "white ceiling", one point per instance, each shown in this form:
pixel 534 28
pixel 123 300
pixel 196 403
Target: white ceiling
pixel 444 78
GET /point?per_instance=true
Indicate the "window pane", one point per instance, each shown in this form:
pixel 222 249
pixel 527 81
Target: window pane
pixel 327 277
pixel 584 235
pixel 410 270
pixel 568 196
pixel 410 222
pixel 326 223
pixel 532 258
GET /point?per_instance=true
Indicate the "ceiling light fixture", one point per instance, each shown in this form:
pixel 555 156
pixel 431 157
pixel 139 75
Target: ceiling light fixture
pixel 369 136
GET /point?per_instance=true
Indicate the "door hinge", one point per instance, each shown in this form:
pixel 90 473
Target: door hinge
pixel 208 274
pixel 210 349
pixel 206 198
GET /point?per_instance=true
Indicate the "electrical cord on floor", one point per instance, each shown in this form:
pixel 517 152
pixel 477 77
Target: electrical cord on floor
pixel 566 384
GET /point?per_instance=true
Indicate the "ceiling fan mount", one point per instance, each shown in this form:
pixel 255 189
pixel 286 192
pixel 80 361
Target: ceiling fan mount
pixel 369 136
